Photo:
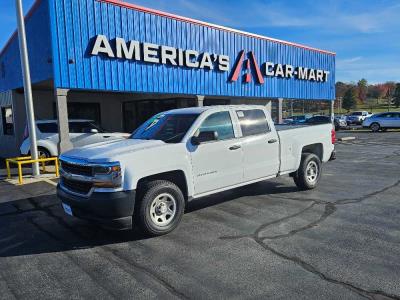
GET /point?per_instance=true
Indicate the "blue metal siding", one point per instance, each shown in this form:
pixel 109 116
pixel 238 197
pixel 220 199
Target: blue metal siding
pixel 76 22
pixel 39 51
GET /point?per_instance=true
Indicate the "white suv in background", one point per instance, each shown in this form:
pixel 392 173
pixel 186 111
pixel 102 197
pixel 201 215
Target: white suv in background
pixel 357 117
pixel 81 133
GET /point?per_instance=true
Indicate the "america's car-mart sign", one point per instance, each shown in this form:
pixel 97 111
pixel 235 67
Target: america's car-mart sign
pixel 161 54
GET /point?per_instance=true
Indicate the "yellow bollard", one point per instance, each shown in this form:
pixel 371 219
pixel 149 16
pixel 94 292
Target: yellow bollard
pixel 57 166
pixel 8 169
pixel 19 173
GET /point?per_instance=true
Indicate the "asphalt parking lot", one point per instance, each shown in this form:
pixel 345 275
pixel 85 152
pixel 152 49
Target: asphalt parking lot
pixel 267 240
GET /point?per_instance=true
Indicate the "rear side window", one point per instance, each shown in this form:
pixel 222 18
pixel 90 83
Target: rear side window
pixel 252 122
pixel 221 123
pixel 47 127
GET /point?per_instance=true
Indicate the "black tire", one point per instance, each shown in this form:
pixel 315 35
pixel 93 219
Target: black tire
pixel 375 127
pixel 43 153
pixel 149 204
pixel 303 178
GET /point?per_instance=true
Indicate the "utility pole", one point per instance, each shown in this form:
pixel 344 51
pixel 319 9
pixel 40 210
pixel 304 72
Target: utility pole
pixel 27 85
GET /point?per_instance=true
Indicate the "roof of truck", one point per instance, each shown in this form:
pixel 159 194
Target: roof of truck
pixel 199 110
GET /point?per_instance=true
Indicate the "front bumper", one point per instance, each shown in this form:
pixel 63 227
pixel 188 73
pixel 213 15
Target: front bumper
pixel 110 210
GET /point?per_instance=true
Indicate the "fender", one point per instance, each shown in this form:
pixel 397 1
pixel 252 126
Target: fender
pixel 25 147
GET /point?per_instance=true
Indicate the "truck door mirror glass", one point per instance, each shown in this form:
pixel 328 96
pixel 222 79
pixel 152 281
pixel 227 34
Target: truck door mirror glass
pixel 204 136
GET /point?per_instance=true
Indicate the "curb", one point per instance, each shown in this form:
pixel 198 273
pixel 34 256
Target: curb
pixel 347 138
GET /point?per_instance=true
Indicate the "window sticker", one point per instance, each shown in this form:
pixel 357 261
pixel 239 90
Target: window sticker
pixel 240 114
pixel 155 121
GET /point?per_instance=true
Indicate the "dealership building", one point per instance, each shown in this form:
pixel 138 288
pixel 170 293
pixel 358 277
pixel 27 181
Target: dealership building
pixel 118 64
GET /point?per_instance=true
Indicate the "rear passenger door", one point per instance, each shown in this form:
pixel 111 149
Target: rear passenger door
pixel 259 143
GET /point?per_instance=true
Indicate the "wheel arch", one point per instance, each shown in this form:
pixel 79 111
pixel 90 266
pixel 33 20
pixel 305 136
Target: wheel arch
pixel 52 149
pixel 177 177
pixel 317 149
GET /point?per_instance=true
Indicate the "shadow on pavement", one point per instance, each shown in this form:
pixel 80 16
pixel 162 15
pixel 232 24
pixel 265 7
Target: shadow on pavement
pixel 38 225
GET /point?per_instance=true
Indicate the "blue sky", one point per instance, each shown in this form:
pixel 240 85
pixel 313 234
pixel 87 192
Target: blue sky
pixel 365 34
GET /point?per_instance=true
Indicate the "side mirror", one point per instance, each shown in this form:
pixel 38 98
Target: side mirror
pixel 93 130
pixel 203 137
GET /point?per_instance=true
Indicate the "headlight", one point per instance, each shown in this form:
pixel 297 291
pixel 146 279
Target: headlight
pixel 107 175
pixel 106 169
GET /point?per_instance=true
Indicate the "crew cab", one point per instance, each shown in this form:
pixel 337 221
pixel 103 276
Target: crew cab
pixel 184 154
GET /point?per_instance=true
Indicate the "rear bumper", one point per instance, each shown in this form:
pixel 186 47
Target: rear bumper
pixel 110 210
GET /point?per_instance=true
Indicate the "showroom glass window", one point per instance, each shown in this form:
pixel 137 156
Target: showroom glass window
pixel 8 121
pixel 252 122
pixel 220 122
pixel 50 127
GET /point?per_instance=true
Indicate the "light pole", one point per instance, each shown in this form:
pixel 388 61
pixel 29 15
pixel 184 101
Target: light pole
pixel 27 85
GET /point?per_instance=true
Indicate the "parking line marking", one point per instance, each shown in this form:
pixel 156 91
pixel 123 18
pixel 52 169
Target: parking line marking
pixel 50 182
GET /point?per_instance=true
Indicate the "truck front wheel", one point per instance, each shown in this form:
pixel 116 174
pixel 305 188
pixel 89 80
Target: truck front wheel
pixel 159 208
pixel 309 172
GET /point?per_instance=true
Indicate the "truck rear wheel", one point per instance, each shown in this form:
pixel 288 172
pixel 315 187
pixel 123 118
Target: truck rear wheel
pixel 309 172
pixel 160 208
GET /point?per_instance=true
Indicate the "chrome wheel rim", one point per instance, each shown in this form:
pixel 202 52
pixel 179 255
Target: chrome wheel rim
pixel 41 154
pixel 163 209
pixel 375 127
pixel 312 172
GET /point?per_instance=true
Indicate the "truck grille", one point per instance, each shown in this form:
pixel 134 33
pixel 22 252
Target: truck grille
pixel 77 169
pixel 80 187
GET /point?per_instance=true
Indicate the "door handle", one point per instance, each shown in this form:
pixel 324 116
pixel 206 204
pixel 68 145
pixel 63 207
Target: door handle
pixel 235 147
pixel 272 141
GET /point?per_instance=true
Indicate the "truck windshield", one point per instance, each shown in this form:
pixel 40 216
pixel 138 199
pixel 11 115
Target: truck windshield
pixel 169 128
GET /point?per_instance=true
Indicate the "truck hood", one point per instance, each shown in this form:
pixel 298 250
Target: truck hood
pixel 111 150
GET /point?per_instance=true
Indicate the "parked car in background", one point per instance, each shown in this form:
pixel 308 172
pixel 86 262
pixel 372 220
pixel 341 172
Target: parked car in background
pixel 81 133
pixel 341 122
pixel 299 119
pixel 319 119
pixel 382 121
pixel 357 117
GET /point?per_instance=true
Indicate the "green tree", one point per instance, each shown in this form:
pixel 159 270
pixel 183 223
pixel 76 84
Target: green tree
pixel 341 89
pixel 362 86
pixel 350 99
pixel 396 95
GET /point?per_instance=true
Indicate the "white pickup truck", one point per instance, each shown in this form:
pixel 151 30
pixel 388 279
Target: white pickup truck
pixel 184 154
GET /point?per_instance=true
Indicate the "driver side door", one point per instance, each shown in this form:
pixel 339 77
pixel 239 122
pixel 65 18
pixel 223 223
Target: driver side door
pixel 217 164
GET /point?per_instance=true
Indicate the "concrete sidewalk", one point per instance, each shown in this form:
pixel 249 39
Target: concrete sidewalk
pixel 10 190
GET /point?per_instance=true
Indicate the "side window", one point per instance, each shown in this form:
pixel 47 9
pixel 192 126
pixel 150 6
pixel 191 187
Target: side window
pixel 8 121
pixel 221 123
pixel 48 127
pixel 252 122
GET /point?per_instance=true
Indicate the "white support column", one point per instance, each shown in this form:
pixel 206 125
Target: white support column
pixel 26 76
pixel 280 110
pixel 332 110
pixel 64 143
pixel 200 100
pixel 268 106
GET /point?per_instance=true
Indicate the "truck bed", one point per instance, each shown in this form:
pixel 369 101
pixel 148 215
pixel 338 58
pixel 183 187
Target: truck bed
pixel 294 137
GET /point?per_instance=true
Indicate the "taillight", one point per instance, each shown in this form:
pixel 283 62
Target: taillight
pixel 333 135
pixel 26 132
